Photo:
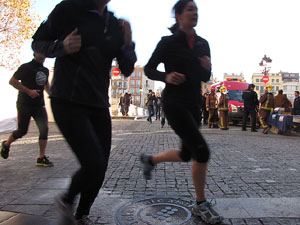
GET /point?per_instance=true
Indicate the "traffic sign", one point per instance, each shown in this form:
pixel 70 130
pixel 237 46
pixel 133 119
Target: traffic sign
pixel 116 71
pixel 265 79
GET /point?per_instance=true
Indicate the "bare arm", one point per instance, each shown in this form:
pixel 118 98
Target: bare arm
pixel 47 87
pixel 19 86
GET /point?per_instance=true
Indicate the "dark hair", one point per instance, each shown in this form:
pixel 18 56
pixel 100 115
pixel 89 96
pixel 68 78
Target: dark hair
pixel 178 9
pixel 297 92
pixel 280 92
pixel 251 86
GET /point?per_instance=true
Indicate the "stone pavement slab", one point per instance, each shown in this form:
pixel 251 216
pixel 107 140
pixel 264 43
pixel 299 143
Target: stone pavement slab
pixel 7 218
pixel 253 177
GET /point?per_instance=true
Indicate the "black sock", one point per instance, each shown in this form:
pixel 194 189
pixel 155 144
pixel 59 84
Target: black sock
pixel 198 203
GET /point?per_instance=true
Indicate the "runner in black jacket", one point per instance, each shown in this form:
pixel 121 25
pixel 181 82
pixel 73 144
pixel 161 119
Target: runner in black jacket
pixel 186 57
pixel 84 37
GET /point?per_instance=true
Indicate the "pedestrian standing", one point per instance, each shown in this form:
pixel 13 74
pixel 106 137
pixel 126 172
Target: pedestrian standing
pixel 223 108
pixel 205 112
pixel 280 100
pixel 31 79
pixel 296 108
pixel 85 38
pixel 266 107
pixel 212 108
pixel 250 107
pixel 181 99
pixel 150 105
pixel 126 102
pixel 157 103
pixel 121 104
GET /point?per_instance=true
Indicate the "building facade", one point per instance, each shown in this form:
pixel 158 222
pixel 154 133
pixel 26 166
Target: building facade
pixel 137 84
pixel 288 82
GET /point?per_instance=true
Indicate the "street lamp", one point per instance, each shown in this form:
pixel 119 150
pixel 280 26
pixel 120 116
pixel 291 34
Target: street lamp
pixel 266 67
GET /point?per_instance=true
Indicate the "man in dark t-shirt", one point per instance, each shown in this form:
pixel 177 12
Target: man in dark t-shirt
pixel 31 79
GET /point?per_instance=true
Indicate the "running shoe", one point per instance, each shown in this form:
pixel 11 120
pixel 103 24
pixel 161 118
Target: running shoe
pixel 65 212
pixel 4 150
pixel 44 161
pixel 85 220
pixel 147 165
pixel 207 213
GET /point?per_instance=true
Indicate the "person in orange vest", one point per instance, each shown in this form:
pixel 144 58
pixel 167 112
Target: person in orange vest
pixel 211 107
pixel 266 107
pixel 223 108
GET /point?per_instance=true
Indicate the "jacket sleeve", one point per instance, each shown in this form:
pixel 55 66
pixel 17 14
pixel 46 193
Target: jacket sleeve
pixel 263 98
pixel 156 58
pixel 126 59
pixel 46 39
pixel 205 74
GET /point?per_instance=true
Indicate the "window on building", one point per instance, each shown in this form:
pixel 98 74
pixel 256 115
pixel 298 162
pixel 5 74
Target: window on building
pixel 125 85
pixel 257 88
pixel 261 80
pixel 132 82
pixel 120 84
pixel 277 80
pixel 132 90
pixel 290 88
pixel 138 83
pixel 277 88
pixel 139 74
pixel 262 89
pixel 257 80
pixel 133 74
pixel 120 91
pixel 147 83
pixel 137 91
pixel 273 80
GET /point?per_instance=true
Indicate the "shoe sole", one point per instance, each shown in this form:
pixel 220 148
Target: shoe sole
pixel 44 165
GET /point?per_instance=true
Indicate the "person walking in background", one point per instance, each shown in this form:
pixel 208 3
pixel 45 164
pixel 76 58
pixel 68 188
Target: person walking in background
pixel 212 108
pixel 296 108
pixel 85 38
pixel 223 108
pixel 250 107
pixel 280 100
pixel 150 105
pixel 31 79
pixel 157 106
pixel 266 107
pixel 126 102
pixel 121 104
pixel 181 98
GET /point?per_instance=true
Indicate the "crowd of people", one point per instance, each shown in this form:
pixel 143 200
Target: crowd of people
pixel 85 38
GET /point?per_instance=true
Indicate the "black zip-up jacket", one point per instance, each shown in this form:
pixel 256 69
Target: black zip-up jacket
pixel 177 56
pixel 250 99
pixel 83 77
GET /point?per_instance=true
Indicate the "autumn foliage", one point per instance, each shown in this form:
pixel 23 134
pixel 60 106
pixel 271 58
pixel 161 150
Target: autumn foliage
pixel 17 24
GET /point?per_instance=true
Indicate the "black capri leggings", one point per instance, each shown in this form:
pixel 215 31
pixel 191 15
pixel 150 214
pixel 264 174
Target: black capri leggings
pixel 40 117
pixel 88 132
pixel 185 121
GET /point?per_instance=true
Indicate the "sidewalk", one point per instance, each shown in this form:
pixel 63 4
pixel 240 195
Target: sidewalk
pixel 254 178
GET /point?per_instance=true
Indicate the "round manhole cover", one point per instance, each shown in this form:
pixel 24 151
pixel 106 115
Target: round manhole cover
pixel 155 211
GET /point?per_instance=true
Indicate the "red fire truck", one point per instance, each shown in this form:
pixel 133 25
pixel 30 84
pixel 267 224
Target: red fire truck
pixel 235 88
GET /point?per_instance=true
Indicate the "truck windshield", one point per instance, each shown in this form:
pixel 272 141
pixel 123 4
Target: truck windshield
pixel 235 95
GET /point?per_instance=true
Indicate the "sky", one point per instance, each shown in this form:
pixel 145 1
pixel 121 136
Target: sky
pixel 239 32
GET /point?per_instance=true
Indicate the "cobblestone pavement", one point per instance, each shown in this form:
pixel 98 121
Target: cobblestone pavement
pixel 245 167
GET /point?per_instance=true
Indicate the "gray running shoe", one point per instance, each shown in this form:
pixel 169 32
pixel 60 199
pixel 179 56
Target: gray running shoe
pixel 147 166
pixel 207 213
pixel 85 220
pixel 65 212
